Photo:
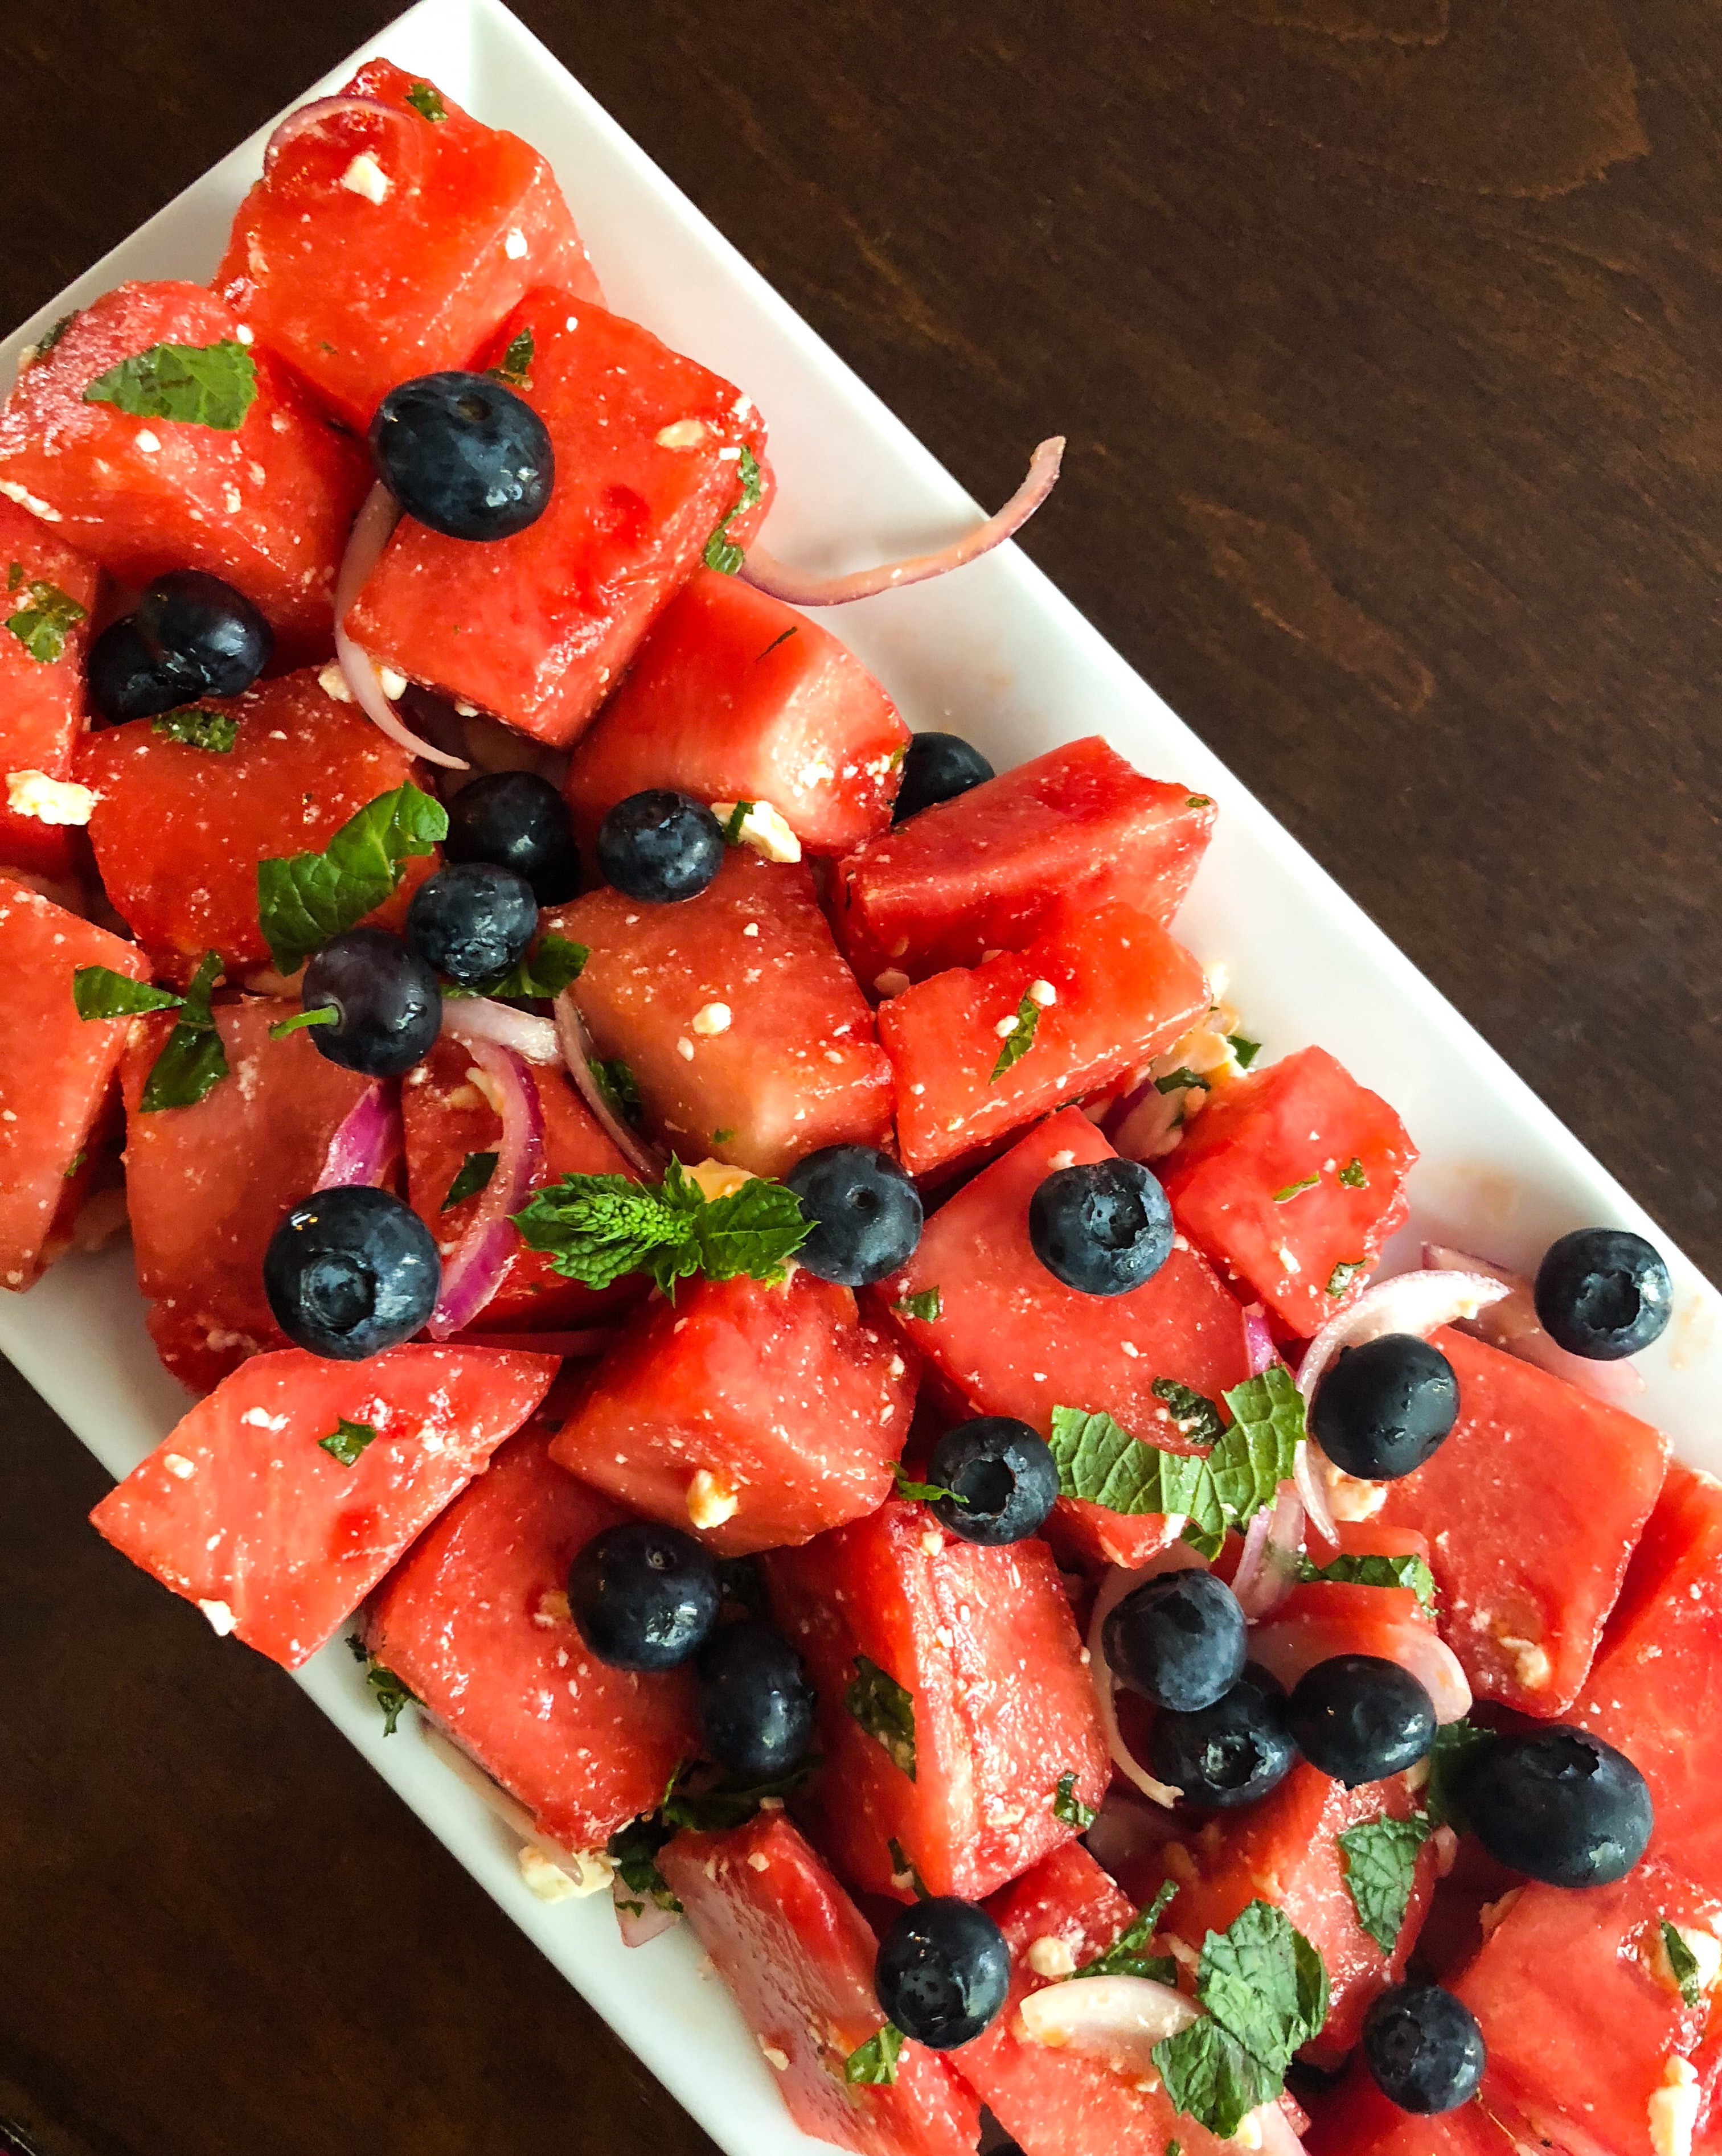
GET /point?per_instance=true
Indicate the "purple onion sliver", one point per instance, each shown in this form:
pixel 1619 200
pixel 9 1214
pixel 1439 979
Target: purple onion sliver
pixel 367 1143
pixel 370 532
pixel 474 1271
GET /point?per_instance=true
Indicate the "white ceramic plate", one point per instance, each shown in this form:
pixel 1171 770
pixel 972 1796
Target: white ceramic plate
pixel 997 652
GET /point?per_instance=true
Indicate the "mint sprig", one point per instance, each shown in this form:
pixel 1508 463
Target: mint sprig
pixel 922 1493
pixel 1128 1955
pixel 1456 1747
pixel 555 964
pixel 1265 1990
pixel 193 1059
pixel 474 1172
pixel 596 1227
pixel 200 385
pixel 885 1709
pixel 929 1306
pixel 721 551
pixel 426 101
pixel 515 369
pixel 1068 1806
pixel 1019 1039
pixel 348 1440
pixel 43 622
pixel 619 1088
pixel 873 2065
pixel 1195 1416
pixel 307 899
pixel 1376 1570
pixel 1380 1870
pixel 1682 1965
pixel 99 991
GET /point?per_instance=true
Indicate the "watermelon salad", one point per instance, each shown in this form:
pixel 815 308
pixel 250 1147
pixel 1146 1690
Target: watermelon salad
pixel 730 1252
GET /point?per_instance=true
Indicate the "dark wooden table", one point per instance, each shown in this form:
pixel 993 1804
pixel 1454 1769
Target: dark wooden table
pixel 1388 337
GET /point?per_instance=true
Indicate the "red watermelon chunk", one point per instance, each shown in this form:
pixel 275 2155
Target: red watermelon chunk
pixel 799 1957
pixel 1527 1554
pixel 990 870
pixel 447 1119
pixel 208 1185
pixel 1009 1339
pixel 1585 2025
pixel 735 696
pixel 475 1621
pixel 56 1068
pixel 742 1027
pixel 1291 1180
pixel 1108 991
pixel 49 592
pixel 178 830
pixel 984 1642
pixel 1357 2120
pixel 360 294
pixel 1055 2101
pixel 1320 1619
pixel 240 1510
pixel 268 504
pixel 753 1415
pixel 537 629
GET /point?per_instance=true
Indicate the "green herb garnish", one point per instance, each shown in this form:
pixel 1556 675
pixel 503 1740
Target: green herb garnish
pixel 304 901
pixel 193 1059
pixel 74 1163
pixel 884 1709
pixel 721 551
pixel 873 2065
pixel 392 1697
pixel 1682 1964
pixel 515 369
pixel 474 1172
pixel 1129 1956
pixel 723 1806
pixel 1200 801
pixel 1183 1080
pixel 1019 1039
pixel 595 1228
pixel 1352 1175
pixel 555 964
pixel 922 1493
pixel 1375 1571
pixel 1243 1050
pixel 426 101
pixel 200 385
pixel 46 620
pixel 1456 1744
pixel 901 1869
pixel 1265 1991
pixel 928 1306
pixel 1195 1416
pixel 733 822
pixel 198 728
pixel 634 1851
pixel 1344 1274
pixel 776 641
pixel 348 1440
pixel 616 1082
pixel 99 991
pixel 1291 1190
pixel 1380 1870
pixel 55 331
pixel 1068 1806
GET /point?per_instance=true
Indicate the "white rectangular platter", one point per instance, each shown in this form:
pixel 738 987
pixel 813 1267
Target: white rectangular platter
pixel 997 652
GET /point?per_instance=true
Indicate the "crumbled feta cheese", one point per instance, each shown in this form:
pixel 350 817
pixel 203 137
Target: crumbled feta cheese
pixel 752 928
pixel 717 1179
pixel 757 1860
pixel 681 434
pixel 1673 2108
pixel 514 245
pixel 333 683
pixel 892 982
pixel 711 1018
pixel 762 828
pixel 147 443
pixel 1288 1258
pixel 243 334
pixel 1042 993
pixel 465 711
pixel 261 1419
pixel 394 685
pixel 932 1542
pixel 773 2057
pixel 221 1618
pixel 552 1608
pixel 179 1466
pixel 685 1049
pixel 48 800
pixel 365 176
pixel 1065 1159
pixel 25 499
pixel 1703 1946
pixel 1051 1958
pixel 710 1502
pixel 1351 1498
pixel 572 323
pixel 1006 1027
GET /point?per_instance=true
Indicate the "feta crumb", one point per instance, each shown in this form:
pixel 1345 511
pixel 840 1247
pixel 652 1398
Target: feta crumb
pixel 932 1542
pixel 685 1049
pixel 762 828
pixel 681 434
pixel 1006 1027
pixel 394 684
pixel 711 1018
pixel 333 683
pixel 465 711
pixel 1051 1958
pixel 48 800
pixel 25 499
pixel 1351 1498
pixel 365 176
pixel 1703 1946
pixel 147 443
pixel 757 1860
pixel 1288 1258
pixel 221 1620
pixel 717 1179
pixel 773 2057
pixel 892 982
pixel 552 1608
pixel 710 1502
pixel 179 1466
pixel 572 323
pixel 514 245
pixel 242 334
pixel 1673 2108
pixel 752 928
pixel 1042 993
pixel 1066 1158
pixel 261 1419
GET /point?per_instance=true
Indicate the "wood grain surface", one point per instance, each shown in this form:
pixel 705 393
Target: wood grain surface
pixel 1388 337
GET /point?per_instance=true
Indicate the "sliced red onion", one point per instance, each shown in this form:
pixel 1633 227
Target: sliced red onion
pixel 368 1142
pixel 576 1053
pixel 1512 1325
pixel 1145 1124
pixel 1446 1849
pixel 801 588
pixel 572 1347
pixel 1116 2019
pixel 473 1018
pixel 1309 1475
pixel 474 1271
pixel 1279 2137
pixel 306 119
pixel 1268 1570
pixel 1410 1302
pixel 638 1918
pixel 1176 1556
pixel 1288 1645
pixel 1258 1341
pixel 371 532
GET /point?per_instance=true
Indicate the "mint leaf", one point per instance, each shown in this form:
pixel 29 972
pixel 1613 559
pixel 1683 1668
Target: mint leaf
pixel 1193 1415
pixel 1245 1050
pixel 474 1172
pixel 737 816
pixel 901 1869
pixel 318 1015
pixel 750 1231
pixel 1352 1175
pixel 1213 2078
pixel 304 901
pixel 44 623
pixel 921 1493
pixel 1019 1040
pixel 1380 1870
pixel 873 2065
pixel 1183 1080
pixel 928 1305
pixel 1682 1964
pixel 193 1058
pixel 621 1094
pixel 1375 1571
pixel 426 101
pixel 721 553
pixel 348 1440
pixel 55 330
pixel 634 1851
pixel 595 1228
pixel 515 369
pixel 884 1709
pixel 1265 1991
pixel 729 1804
pixel 1344 1274
pixel 1259 1452
pixel 74 1163
pixel 1128 1955
pixel 783 639
pixel 99 991
pixel 1456 1744
pixel 1200 801
pixel 200 385
pixel 1068 1806
pixel 198 728
pixel 1291 1190
pixel 555 964
pixel 392 1697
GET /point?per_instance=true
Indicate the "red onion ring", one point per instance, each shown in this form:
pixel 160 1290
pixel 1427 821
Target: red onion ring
pixel 473 1018
pixel 1176 1556
pixel 306 118
pixel 371 530
pixel 576 1053
pixel 1116 2019
pixel 638 1918
pixel 1144 1126
pixel 1308 1462
pixel 572 1347
pixel 1410 1302
pixel 801 588
pixel 368 1142
pixel 474 1271
pixel 1258 1341
pixel 1288 1645
pixel 1279 2137
pixel 1268 1570
pixel 1512 1325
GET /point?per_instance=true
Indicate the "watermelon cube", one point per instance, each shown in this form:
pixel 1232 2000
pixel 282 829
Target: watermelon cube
pixel 1104 993
pixel 1054 2100
pixel 649 448
pixel 1529 1557
pixel 799 1957
pixel 475 1621
pixel 1291 1181
pixel 208 1185
pixel 744 1028
pixel 243 1509
pixel 383 245
pixel 1320 1619
pixel 1009 1339
pixel 178 830
pixel 735 696
pixel 56 1068
pixel 448 1118
pixel 49 594
pixel 1589 2039
pixel 953 1701
pixel 267 504
pixel 1357 2120
pixel 992 869
pixel 753 1415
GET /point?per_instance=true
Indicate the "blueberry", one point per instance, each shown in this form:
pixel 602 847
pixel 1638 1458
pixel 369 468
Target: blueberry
pixel 866 1214
pixel 1227 1754
pixel 351 1271
pixel 937 767
pixel 388 1003
pixel 1603 1293
pixel 124 680
pixel 1384 1408
pixel 1102 1228
pixel 1423 2048
pixel 193 623
pixel 644 1597
pixel 659 846
pixel 943 1972
pixel 1005 1474
pixel 472 922
pixel 1360 1718
pixel 464 454
pixel 755 1702
pixel 1560 1806
pixel 1179 1639
pixel 518 821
